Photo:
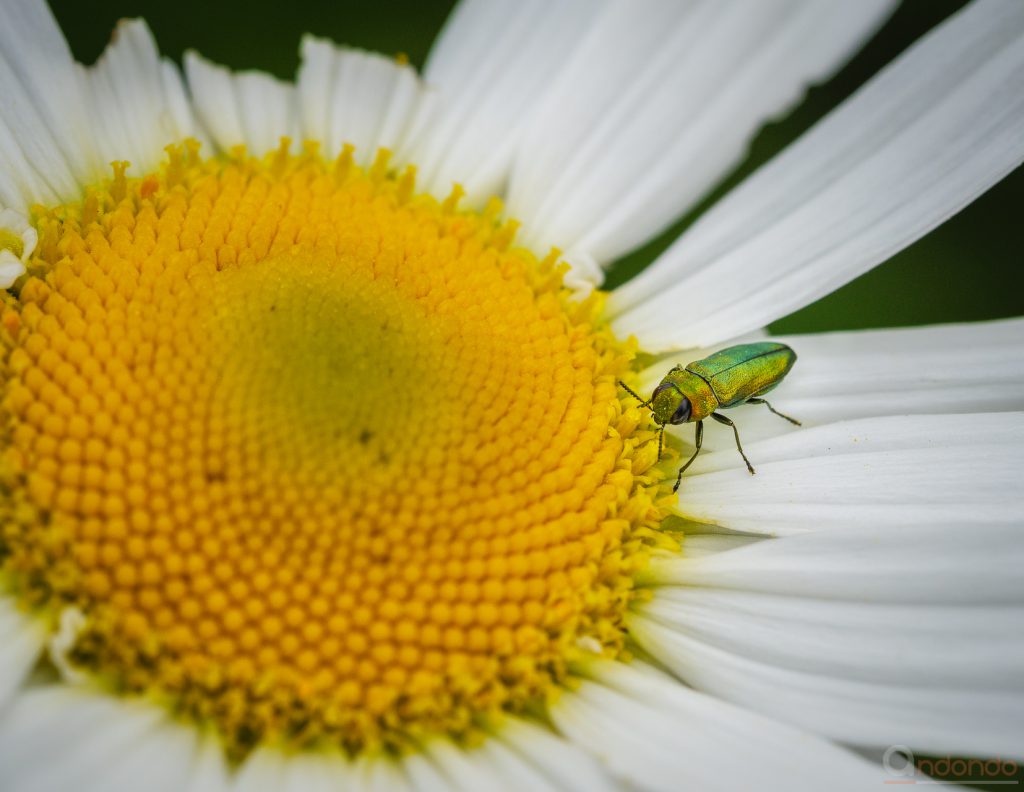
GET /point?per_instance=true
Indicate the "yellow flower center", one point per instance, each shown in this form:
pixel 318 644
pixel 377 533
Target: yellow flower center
pixel 317 458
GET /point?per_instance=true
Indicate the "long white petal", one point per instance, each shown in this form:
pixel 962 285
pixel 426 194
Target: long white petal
pixel 624 145
pixel 307 771
pixel 63 123
pixel 57 738
pixel 274 770
pixel 425 776
pixel 379 774
pixel 46 136
pixel 16 254
pixel 342 96
pixel 937 646
pixel 350 96
pixel 262 771
pixel 209 771
pixel 564 763
pixel 697 545
pixel 920 141
pixel 488 766
pixel 933 718
pixel 895 471
pixel 944 563
pixel 955 368
pixel 656 734
pixel 136 100
pixel 489 66
pixel 32 168
pixel 869 636
pixel 250 109
pixel 21 640
pixel 361 100
pixel 516 755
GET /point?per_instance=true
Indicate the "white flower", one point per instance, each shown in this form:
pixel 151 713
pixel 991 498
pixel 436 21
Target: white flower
pixel 862 591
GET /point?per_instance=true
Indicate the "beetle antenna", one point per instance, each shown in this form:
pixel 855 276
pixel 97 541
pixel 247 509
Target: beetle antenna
pixel 633 393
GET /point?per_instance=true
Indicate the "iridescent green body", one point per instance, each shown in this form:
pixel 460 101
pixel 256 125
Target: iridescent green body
pixel 723 380
pixel 737 375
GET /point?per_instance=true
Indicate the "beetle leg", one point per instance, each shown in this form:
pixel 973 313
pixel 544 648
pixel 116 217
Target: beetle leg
pixel 723 420
pixel 698 439
pixel 766 404
pixel 661 438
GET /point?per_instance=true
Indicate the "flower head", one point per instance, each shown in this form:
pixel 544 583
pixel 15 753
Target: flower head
pixel 316 467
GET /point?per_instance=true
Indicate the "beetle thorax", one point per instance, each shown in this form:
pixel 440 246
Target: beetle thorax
pixel 681 384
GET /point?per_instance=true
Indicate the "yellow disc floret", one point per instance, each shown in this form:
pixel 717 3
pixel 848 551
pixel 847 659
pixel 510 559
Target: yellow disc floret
pixel 317 458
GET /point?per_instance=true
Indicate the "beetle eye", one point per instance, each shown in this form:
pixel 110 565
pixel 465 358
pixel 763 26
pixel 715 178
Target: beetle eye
pixel 661 387
pixel 682 413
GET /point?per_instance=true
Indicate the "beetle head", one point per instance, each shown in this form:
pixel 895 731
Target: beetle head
pixel 669 405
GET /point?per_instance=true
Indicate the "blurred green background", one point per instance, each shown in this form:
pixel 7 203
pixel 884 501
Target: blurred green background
pixel 969 268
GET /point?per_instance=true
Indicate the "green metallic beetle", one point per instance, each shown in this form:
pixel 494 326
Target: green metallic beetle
pixel 736 375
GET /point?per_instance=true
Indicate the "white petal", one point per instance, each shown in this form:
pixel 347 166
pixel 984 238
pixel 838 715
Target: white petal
pixel 515 755
pixel 584 273
pixel 273 770
pixel 567 765
pixel 136 100
pixel 378 774
pixel 34 169
pixel 956 368
pixel 315 772
pixel 916 144
pixel 21 640
pixel 213 92
pixel 488 766
pixel 17 224
pixel 898 695
pixel 490 65
pixel 940 564
pixel 656 734
pixel 250 109
pixel 868 635
pixel 160 761
pixel 267 106
pixel 14 256
pixel 350 96
pixel 894 471
pixel 60 643
pixel 209 772
pixel 11 268
pixel 698 545
pixel 314 83
pixel 178 114
pixel 57 738
pixel 977 647
pixel 63 123
pixel 624 145
pixel 46 136
pixel 454 765
pixel 363 86
pixel 262 771
pixel 424 776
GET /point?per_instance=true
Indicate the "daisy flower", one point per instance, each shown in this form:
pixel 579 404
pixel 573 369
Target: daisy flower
pixel 316 473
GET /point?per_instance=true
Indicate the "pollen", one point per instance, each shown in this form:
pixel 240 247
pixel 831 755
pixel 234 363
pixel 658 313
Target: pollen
pixel 319 459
